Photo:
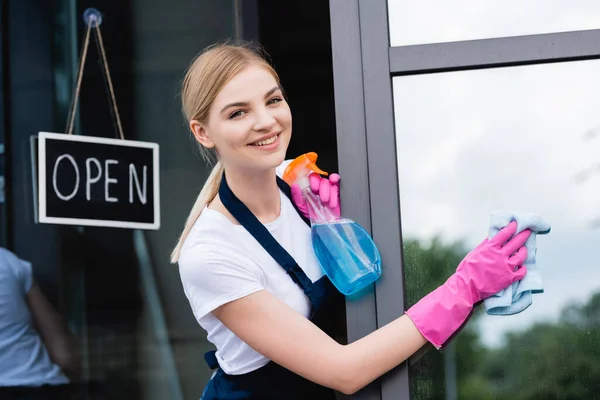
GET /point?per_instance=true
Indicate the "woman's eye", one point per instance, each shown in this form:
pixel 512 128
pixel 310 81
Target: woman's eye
pixel 236 114
pixel 275 100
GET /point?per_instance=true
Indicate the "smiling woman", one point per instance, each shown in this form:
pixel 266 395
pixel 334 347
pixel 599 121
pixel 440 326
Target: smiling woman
pixel 258 117
pixel 248 267
pixel 198 107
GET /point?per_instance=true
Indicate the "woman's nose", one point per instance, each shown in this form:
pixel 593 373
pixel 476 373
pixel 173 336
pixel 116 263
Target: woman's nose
pixel 264 120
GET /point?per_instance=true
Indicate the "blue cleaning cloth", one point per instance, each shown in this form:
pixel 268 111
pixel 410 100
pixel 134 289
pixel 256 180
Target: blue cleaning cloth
pixel 519 295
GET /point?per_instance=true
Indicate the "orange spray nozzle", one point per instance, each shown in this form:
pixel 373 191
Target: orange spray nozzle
pixel 301 167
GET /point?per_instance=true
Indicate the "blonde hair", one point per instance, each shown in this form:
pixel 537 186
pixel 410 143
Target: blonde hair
pixel 208 73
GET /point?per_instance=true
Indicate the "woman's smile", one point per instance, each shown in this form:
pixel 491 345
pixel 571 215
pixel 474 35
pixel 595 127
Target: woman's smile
pixel 271 142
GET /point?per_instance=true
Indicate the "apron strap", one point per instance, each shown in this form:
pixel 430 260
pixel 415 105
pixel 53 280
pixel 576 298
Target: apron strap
pixel 249 221
pixel 285 188
pixel 210 357
pixel 316 292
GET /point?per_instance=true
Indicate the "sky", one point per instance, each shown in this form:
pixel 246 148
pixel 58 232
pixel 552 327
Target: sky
pixel 520 139
pixel 434 21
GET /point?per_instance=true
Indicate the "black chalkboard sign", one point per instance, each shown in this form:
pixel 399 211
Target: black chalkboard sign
pixel 93 181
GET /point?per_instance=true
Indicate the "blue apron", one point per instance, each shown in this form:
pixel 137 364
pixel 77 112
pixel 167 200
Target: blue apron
pixel 273 381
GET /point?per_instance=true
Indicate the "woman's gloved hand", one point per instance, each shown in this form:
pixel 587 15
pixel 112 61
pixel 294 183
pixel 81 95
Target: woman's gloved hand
pixel 489 268
pixel 327 189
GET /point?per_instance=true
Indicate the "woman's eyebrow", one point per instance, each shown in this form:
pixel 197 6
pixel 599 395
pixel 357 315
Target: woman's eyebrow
pixel 270 92
pixel 238 104
pixel 245 103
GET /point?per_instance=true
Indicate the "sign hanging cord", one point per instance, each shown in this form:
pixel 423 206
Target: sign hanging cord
pixel 93 19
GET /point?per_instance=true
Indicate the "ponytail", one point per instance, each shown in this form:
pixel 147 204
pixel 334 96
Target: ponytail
pixel 207 194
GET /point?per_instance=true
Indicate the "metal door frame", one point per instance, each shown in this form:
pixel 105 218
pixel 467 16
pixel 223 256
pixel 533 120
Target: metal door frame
pixel 364 64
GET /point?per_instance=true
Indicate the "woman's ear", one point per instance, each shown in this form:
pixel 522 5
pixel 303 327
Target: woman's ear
pixel 200 134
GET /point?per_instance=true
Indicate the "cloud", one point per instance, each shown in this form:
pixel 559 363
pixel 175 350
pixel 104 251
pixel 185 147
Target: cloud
pixel 471 142
pixel 436 21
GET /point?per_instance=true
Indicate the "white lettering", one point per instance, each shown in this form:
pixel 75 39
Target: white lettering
pixel 108 181
pixel 54 178
pixel 88 179
pixel 133 176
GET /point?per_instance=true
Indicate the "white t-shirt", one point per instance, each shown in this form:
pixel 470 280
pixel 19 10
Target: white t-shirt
pixel 221 262
pixel 24 360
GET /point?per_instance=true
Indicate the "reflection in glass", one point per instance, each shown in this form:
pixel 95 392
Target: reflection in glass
pixel 526 139
pixel 3 217
pixel 438 21
pixel 113 321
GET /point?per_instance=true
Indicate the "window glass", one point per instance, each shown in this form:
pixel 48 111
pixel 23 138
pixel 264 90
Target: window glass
pixel 3 219
pixel 522 139
pixel 113 291
pixel 437 21
pixel 133 332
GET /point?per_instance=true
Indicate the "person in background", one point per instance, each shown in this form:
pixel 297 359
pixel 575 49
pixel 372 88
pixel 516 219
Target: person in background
pixel 38 355
pixel 247 264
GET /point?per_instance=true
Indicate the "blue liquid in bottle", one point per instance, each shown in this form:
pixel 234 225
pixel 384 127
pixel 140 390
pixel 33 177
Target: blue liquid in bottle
pixel 347 254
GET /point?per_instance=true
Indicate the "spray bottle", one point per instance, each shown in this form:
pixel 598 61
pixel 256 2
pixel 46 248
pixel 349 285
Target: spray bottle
pixel 346 252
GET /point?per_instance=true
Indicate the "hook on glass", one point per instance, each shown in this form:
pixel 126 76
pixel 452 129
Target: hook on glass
pixel 92 17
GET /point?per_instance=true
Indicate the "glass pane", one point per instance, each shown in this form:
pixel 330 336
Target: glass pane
pixel 3 216
pixel 112 290
pixel 135 336
pixel 524 139
pixel 437 21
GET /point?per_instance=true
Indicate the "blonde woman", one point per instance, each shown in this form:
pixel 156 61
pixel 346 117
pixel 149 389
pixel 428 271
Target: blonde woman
pixel 247 264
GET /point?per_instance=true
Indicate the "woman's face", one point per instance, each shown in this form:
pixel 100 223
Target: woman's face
pixel 249 122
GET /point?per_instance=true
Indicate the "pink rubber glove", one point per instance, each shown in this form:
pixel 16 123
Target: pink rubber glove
pixel 492 266
pixel 327 189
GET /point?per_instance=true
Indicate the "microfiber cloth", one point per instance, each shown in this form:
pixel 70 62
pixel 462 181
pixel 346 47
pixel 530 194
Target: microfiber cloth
pixel 519 295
